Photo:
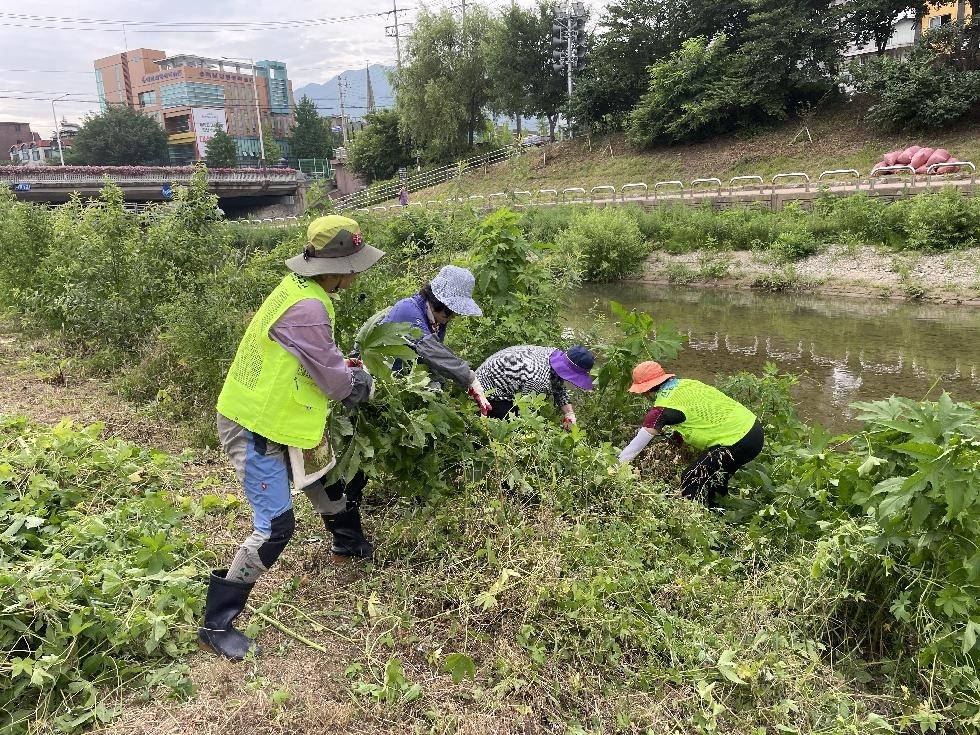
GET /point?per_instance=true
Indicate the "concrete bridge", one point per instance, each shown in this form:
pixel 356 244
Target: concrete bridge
pixel 237 189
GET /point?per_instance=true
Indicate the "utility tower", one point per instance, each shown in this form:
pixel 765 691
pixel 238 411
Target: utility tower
pixel 569 47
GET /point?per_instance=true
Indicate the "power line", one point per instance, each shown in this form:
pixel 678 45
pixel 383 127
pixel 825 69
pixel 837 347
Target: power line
pixel 63 23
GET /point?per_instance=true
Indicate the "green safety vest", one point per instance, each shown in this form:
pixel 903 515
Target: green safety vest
pixel 712 418
pixel 267 390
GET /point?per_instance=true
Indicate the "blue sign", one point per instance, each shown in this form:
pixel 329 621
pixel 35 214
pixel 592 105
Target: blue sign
pixel 22 187
pixel 167 190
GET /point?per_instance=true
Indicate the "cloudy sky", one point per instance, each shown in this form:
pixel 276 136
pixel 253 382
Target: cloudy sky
pixel 47 48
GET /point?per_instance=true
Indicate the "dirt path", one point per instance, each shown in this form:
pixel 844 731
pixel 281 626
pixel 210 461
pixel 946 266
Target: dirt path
pixel 862 272
pixel 294 689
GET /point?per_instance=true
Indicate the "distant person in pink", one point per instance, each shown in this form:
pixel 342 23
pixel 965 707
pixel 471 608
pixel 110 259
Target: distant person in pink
pixel 403 196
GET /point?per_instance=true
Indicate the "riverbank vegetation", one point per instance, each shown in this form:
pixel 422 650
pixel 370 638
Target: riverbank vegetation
pixel 525 582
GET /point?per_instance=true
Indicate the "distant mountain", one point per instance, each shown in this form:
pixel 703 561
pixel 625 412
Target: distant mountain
pixel 327 95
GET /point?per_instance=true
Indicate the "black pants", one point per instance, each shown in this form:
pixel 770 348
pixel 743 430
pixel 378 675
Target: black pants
pixel 354 488
pixel 707 476
pixel 501 407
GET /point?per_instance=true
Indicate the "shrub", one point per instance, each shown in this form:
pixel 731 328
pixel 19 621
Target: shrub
pixel 25 234
pixel 608 241
pixel 925 90
pixel 95 286
pixel 857 219
pixel 943 221
pixel 544 224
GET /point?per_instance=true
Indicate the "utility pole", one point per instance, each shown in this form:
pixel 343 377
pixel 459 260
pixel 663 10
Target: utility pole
pixel 343 119
pixel 394 31
pixel 398 43
pixel 568 41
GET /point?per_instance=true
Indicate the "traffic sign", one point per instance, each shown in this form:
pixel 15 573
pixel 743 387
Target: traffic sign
pixel 23 186
pixel 167 190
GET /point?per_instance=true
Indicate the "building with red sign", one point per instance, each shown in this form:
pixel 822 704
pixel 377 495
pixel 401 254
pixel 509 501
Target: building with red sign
pixel 191 95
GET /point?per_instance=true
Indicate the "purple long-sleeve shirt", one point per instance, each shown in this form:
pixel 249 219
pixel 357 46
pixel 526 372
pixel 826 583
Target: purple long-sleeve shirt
pixel 304 330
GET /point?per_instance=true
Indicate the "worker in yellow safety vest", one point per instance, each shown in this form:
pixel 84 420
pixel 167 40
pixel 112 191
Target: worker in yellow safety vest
pixel 726 434
pixel 276 396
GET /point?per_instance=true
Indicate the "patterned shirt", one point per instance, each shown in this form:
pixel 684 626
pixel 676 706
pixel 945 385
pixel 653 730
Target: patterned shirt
pixel 521 370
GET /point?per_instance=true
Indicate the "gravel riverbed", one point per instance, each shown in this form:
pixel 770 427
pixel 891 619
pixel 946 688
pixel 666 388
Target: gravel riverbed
pixel 845 270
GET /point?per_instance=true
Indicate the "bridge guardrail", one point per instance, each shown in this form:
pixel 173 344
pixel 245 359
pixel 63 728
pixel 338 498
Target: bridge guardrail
pixel 674 182
pixel 750 177
pixel 795 175
pixel 639 185
pixel 709 180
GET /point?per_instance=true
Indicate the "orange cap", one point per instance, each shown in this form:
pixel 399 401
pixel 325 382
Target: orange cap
pixel 648 375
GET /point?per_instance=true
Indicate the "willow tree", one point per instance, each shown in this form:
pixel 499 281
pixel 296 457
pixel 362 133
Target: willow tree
pixel 443 86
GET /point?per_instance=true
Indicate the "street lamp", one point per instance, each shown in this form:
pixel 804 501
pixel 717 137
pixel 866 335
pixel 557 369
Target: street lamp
pixel 255 94
pixel 57 130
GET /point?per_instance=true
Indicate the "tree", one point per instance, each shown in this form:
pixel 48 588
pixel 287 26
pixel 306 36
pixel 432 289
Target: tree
pixel 523 81
pixel 873 21
pixel 637 34
pixel 119 136
pixel 936 85
pixel 786 58
pixel 222 150
pixel 443 85
pixel 272 150
pixel 310 136
pixel 377 151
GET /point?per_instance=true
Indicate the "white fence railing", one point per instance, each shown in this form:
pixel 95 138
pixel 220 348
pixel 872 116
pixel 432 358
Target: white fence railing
pixel 698 190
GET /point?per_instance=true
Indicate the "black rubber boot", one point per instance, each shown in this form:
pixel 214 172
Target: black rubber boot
pixel 348 536
pixel 225 602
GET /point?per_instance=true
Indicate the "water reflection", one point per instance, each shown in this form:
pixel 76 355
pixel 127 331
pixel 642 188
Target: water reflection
pixel 844 350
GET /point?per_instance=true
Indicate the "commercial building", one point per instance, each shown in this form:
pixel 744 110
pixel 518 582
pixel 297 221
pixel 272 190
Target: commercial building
pixel 190 95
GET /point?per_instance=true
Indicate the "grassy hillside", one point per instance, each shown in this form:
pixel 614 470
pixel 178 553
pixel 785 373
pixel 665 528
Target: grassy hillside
pixel 841 139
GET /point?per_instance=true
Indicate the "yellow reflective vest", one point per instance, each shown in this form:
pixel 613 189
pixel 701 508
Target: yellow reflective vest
pixel 712 418
pixel 267 390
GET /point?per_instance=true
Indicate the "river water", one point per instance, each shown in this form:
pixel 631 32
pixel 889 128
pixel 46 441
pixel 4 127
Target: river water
pixel 844 350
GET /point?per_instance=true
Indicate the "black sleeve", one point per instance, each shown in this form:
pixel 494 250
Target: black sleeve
pixel 669 417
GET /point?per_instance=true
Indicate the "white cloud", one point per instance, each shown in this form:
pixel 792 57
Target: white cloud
pixel 45 59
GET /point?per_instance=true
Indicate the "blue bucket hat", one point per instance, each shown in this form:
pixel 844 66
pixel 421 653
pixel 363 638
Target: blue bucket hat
pixel 453 286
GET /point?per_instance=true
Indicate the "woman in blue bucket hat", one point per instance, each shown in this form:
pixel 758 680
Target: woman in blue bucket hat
pixel 430 310
pixel 449 294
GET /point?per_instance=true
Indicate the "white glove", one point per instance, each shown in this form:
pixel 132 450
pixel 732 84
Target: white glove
pixel 569 420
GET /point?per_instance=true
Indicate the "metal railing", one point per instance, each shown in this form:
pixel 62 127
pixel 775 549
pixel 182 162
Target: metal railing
pixel 603 187
pixel 656 187
pixel 794 175
pixel 710 180
pixel 934 168
pixel 55 175
pixel 636 186
pixel 755 178
pixel 422 180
